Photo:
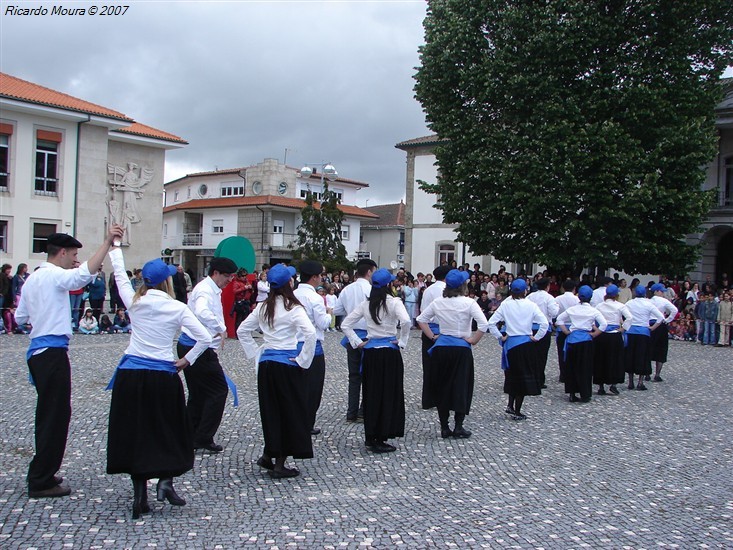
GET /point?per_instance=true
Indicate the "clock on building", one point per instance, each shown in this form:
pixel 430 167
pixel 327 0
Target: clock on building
pixel 282 188
pixel 203 189
pixel 257 187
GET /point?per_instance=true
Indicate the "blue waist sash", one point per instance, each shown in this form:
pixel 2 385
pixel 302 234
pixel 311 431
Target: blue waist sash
pixel 385 342
pixel 280 356
pixel 319 348
pixel 361 333
pixel 640 330
pixel 508 344
pixel 444 341
pixel 134 362
pixel 559 330
pixel 185 340
pixel 435 327
pixel 611 328
pixel 576 337
pixel 47 341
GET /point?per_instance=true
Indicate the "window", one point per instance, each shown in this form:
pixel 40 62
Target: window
pixel 47 158
pixel 232 191
pixel 401 244
pixel 188 196
pixel 4 161
pixel 41 231
pixel 175 196
pixel 726 198
pixel 317 195
pixel 446 253
pixel 278 237
pixel 217 226
pixel 165 229
pixel 3 236
pixel 345 232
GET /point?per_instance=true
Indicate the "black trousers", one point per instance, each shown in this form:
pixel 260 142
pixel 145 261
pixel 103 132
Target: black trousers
pixel 51 372
pixel 316 375
pixel 543 350
pixel 353 360
pixel 427 401
pixel 561 336
pixel 207 394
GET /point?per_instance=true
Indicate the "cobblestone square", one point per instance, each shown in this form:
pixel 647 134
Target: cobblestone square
pixel 639 470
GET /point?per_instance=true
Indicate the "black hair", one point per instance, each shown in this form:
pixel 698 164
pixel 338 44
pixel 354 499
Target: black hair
pixel 569 285
pixel 378 301
pixel 542 283
pixel 289 300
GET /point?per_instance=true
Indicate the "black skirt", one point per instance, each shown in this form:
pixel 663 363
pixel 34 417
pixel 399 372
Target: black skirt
pixel 638 354
pixel 149 431
pixel 427 401
pixel 284 409
pixel 382 380
pixel 521 377
pixel 608 358
pixel 660 343
pixel 579 369
pixel 451 377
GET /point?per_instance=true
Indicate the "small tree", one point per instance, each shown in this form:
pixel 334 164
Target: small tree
pixel 319 234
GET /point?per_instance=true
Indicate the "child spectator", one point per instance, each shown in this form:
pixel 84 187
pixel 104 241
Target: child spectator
pixel 88 324
pixel 331 303
pixel 121 321
pixel 105 325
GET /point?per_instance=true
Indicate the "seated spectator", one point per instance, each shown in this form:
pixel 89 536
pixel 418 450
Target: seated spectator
pixel 105 325
pixel 484 303
pixel 121 321
pixel 88 324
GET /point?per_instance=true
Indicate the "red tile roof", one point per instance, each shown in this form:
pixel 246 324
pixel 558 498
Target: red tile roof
pixel 421 141
pixel 148 131
pixel 263 200
pixel 390 215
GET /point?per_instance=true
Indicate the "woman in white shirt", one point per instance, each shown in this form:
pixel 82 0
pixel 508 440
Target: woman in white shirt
pixel 451 361
pixel 149 431
pixel 608 353
pixel 282 384
pixel 382 366
pixel 263 288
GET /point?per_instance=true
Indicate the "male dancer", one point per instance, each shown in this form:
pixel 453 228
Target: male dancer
pixel 320 316
pixel 207 385
pixel 549 308
pixel 45 304
pixel 351 296
pixel 431 293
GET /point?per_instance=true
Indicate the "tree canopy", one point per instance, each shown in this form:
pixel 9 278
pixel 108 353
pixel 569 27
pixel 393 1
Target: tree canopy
pixel 319 233
pixel 576 133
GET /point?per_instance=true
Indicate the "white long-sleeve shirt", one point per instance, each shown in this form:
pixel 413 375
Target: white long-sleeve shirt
pixel 205 302
pixel 547 304
pixel 616 313
pixel 599 295
pixel 582 317
pixel 518 316
pixel 454 316
pixel 44 302
pixel 566 300
pixel 433 292
pixel 314 308
pixel 281 335
pixel 388 323
pixel 668 309
pixel 156 318
pixel 351 297
pixel 643 311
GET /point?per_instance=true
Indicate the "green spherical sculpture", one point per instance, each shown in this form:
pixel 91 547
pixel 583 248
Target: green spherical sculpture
pixel 239 250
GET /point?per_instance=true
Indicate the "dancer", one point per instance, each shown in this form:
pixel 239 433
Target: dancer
pixel 564 301
pixel 608 355
pixel 44 303
pixel 638 337
pixel 149 431
pixel 383 370
pixel 585 322
pixel 660 337
pixel 451 358
pixel 519 356
pixel 282 380
pixel 549 308
pixel 433 292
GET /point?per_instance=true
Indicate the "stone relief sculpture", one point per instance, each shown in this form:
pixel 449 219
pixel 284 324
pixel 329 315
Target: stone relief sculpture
pixel 126 187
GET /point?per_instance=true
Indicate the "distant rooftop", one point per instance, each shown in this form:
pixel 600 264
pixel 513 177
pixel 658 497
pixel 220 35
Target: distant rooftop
pixel 390 215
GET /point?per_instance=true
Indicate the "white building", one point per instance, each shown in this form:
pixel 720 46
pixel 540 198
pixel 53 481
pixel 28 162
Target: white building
pixel 68 165
pixel 260 202
pixel 383 239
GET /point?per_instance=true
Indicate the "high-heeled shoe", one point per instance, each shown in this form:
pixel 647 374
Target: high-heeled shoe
pixel 140 498
pixel 166 492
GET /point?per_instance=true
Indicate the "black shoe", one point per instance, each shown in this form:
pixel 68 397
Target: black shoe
pixel 641 387
pixel 585 399
pixel 315 431
pixel 446 432
pixel 647 378
pixel 166 491
pixel 573 398
pixel 140 499
pixel 265 463
pixel 53 492
pixel 631 385
pixel 58 480
pixel 543 386
pixel 613 390
pixel 510 411
pixel 461 433
pixel 351 418
pixel 211 447
pixel 519 416
pixel 658 379
pixel 601 391
pixel 284 473
pixel 380 447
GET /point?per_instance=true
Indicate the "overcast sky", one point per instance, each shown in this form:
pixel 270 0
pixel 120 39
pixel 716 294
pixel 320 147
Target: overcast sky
pixel 243 81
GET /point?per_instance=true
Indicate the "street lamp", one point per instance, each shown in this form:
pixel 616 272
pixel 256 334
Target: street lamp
pixel 328 171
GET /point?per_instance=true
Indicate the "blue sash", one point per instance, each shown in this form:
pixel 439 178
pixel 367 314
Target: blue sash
pixel 319 348
pixel 508 344
pixel 134 362
pixel 559 331
pixel 281 356
pixel 185 340
pixel 47 341
pixel 640 330
pixel 452 341
pixel 435 327
pixel 576 337
pixel 611 328
pixel 361 333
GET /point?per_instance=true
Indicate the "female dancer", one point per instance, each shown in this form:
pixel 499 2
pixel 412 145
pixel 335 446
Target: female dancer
pixel 382 367
pixel 608 355
pixel 149 431
pixel 451 362
pixel 282 384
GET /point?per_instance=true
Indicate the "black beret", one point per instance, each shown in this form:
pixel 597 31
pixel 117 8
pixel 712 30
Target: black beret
pixel 63 240
pixel 366 261
pixel 309 268
pixel 223 265
pixel 441 271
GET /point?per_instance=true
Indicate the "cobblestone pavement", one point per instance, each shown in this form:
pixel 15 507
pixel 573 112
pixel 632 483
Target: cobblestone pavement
pixel 641 470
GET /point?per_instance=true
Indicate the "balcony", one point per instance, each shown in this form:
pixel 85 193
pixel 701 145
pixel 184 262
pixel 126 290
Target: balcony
pixel 284 240
pixel 192 239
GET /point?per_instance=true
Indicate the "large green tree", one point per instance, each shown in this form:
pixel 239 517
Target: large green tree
pixel 576 132
pixel 319 233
